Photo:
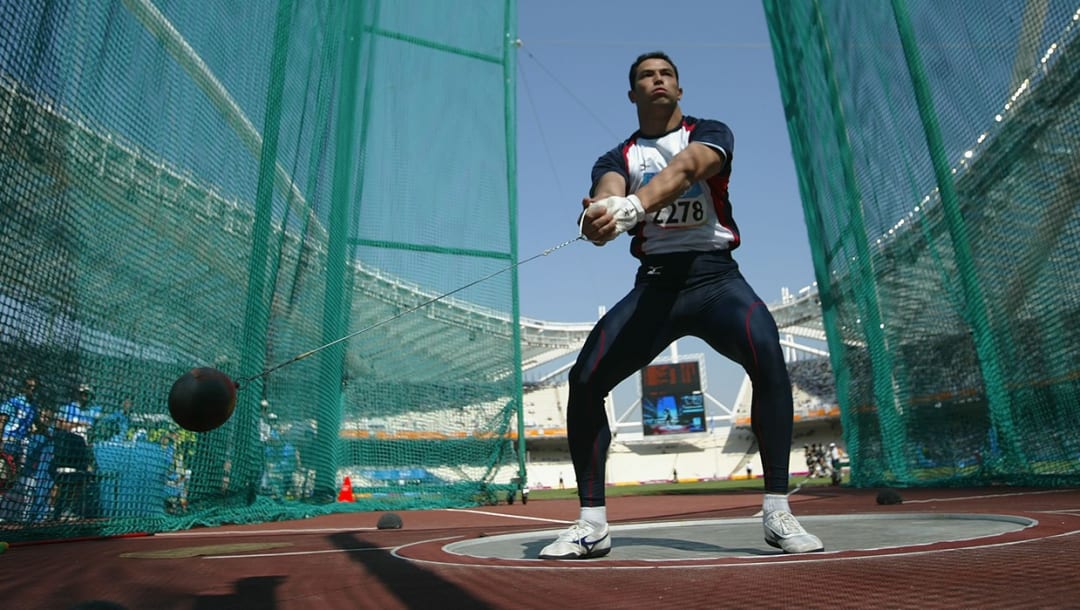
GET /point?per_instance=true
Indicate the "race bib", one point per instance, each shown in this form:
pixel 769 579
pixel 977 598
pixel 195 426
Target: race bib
pixel 685 212
pixel 681 214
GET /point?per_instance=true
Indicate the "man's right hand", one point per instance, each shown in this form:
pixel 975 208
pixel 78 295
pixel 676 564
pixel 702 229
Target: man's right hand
pixel 596 224
pixel 604 219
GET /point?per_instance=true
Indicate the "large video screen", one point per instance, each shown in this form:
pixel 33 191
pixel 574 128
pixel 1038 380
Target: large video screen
pixel 671 399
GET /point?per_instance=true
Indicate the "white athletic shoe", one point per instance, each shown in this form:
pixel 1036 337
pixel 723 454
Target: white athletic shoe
pixel 783 531
pixel 581 541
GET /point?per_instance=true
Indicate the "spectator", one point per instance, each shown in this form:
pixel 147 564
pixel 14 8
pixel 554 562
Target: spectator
pixel 79 415
pixel 116 424
pixel 266 420
pixel 176 477
pixel 811 461
pixel 73 467
pixel 834 461
pixel 267 434
pixel 33 491
pixel 304 437
pixel 282 462
pixel 176 492
pixel 17 417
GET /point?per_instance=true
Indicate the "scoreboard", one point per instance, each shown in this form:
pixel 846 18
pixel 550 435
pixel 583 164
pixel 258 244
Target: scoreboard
pixel 667 378
pixel 671 399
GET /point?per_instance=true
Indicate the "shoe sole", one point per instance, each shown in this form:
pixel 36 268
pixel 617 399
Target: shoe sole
pixel 573 556
pixel 820 549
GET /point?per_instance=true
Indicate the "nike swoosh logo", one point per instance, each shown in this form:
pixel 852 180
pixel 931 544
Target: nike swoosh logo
pixel 589 545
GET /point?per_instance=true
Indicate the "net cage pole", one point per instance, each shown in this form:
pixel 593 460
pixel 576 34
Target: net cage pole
pixel 781 33
pixel 977 307
pixel 886 403
pixel 256 321
pixel 517 401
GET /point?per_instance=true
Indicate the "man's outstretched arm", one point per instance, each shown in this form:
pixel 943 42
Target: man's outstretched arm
pixel 697 162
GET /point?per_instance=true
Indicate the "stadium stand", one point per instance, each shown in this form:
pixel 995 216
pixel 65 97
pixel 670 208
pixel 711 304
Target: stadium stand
pixel 544 413
pixel 726 450
pixel 817 415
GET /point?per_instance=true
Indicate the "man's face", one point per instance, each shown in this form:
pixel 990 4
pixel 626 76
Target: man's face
pixel 655 83
pixel 30 387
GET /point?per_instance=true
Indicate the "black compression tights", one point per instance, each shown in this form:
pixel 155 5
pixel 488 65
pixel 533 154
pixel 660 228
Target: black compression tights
pixel 675 296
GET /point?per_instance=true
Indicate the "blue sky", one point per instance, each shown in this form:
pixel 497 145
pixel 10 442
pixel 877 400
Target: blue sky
pixel 572 107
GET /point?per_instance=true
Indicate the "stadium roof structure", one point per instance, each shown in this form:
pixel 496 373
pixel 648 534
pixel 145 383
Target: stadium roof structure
pixel 1028 134
pixel 126 179
pixel 44 137
pixel 150 200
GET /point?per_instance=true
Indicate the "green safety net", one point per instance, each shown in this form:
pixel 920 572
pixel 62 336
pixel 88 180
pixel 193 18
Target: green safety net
pixel 233 185
pixel 937 146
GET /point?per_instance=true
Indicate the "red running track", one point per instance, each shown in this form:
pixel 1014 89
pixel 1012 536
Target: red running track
pixel 342 561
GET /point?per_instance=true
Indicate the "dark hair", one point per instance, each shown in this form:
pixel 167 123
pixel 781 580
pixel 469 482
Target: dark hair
pixel 650 55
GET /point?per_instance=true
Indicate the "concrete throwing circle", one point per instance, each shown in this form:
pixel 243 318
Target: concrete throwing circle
pixel 734 541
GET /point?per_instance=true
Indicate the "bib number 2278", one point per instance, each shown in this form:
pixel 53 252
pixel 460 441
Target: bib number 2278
pixel 680 213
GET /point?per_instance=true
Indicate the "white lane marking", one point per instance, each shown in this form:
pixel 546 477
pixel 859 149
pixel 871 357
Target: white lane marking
pixel 493 514
pixel 605 564
pixel 287 553
pixel 983 496
pixel 314 530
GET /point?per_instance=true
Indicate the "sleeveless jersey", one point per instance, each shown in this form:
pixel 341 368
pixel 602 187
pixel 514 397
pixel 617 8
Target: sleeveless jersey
pixel 700 219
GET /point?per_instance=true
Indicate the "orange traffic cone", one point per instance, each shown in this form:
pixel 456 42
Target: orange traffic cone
pixel 346 494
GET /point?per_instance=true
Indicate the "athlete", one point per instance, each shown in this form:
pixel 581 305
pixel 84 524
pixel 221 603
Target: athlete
pixel 667 185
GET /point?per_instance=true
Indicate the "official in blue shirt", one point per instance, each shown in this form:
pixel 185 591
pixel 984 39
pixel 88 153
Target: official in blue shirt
pixel 17 418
